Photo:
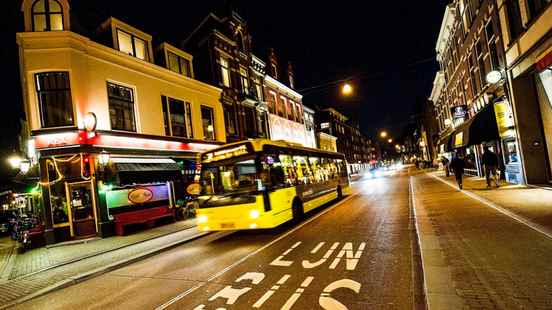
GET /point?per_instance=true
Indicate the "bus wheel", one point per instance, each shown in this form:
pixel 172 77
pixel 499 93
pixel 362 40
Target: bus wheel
pixel 297 209
pixel 339 193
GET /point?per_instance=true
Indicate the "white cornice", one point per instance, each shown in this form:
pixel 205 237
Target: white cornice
pixel 438 85
pixel 446 27
pixel 282 87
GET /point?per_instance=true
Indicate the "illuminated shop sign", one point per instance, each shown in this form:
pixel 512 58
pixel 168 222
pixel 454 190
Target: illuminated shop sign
pixel 136 195
pixel 74 138
pixel 226 153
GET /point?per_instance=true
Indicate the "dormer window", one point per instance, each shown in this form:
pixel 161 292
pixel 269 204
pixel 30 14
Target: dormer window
pixel 47 15
pixel 132 45
pixel 179 64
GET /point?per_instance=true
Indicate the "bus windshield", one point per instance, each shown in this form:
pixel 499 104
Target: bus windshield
pixel 236 176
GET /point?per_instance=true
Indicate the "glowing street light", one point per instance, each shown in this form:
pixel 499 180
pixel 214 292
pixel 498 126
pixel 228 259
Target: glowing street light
pixel 383 134
pixel 390 140
pixel 347 89
pixel 15 161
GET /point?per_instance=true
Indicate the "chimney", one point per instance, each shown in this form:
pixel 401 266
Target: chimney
pixel 291 75
pixel 272 64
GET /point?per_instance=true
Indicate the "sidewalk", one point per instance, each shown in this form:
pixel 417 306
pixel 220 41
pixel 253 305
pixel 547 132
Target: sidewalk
pixel 475 255
pixel 41 270
pixel 530 203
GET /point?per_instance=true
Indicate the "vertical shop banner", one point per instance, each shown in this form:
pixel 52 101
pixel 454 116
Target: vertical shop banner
pixel 504 119
pixel 459 114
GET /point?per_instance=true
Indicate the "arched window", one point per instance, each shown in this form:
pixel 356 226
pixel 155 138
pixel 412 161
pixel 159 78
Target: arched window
pixel 47 15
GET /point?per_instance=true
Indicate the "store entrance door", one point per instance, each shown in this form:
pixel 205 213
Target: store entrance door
pixel 82 209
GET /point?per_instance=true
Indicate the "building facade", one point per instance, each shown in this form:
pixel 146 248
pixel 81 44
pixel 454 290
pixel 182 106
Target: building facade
pixel 115 124
pixel 222 56
pixel 527 39
pixel 356 147
pixel 468 104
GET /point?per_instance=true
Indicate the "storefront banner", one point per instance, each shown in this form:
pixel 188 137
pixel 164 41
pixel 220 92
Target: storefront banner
pixel 504 119
pixel 137 195
pixel 284 129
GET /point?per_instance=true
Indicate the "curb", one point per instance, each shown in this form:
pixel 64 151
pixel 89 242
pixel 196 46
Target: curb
pixel 99 271
pixel 419 292
pixel 98 253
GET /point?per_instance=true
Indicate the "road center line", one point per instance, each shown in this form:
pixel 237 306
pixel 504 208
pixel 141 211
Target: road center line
pixel 536 227
pixel 223 271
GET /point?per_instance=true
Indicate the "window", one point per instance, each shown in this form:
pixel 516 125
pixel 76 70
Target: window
pixel 250 122
pixel 54 99
pixel 47 15
pixel 178 64
pixel 537 6
pixel 225 73
pixel 514 18
pixel 121 107
pixel 229 120
pixel 272 104
pixel 208 123
pixel 178 117
pixel 132 45
pixel 258 87
pixel 291 110
pixel 244 80
pixel 274 70
pixel 282 107
pixel 263 124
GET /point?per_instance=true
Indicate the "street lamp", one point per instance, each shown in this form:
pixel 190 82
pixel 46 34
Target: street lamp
pixel 383 134
pixel 103 158
pixel 347 89
pixel 15 161
pixel 390 140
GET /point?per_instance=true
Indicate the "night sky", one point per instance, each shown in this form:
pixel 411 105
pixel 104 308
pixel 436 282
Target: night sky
pixel 389 44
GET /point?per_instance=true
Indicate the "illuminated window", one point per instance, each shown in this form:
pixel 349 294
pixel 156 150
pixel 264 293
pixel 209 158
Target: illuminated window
pixel 244 80
pixel 178 64
pixel 224 71
pixel 132 45
pixel 121 107
pixel 177 115
pixel 229 120
pixel 47 15
pixel 282 107
pixel 54 99
pixel 208 123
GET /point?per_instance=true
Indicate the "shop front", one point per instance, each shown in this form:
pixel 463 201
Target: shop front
pixel 472 136
pixel 544 93
pixel 103 183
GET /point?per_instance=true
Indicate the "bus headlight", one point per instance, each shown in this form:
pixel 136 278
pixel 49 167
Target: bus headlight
pixel 254 214
pixel 202 219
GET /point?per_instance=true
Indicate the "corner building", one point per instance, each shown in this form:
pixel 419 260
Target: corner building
pixel 115 123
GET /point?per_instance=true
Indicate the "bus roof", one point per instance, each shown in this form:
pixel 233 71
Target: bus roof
pixel 258 145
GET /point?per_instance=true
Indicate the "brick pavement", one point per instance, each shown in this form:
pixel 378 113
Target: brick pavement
pixel 69 263
pixel 475 257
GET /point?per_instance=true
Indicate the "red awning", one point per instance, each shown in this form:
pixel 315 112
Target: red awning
pixel 545 62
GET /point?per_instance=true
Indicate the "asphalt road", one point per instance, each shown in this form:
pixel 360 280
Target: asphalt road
pixel 353 254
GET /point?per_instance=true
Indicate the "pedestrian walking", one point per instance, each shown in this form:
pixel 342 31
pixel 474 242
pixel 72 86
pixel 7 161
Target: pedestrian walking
pixel 445 163
pixel 490 162
pixel 457 165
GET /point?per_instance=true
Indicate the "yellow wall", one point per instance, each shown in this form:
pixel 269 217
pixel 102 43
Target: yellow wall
pixel 91 66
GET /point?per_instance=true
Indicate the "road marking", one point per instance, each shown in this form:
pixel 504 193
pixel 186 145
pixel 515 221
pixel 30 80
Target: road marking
pixel 218 274
pixel 536 227
pixel 412 203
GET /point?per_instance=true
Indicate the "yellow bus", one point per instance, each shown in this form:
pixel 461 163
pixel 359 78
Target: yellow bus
pixel 262 183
